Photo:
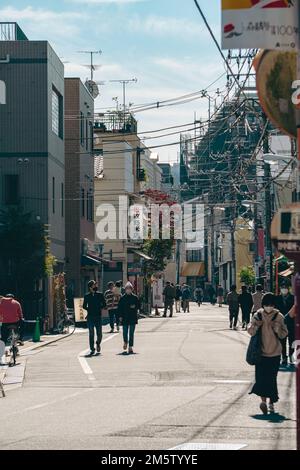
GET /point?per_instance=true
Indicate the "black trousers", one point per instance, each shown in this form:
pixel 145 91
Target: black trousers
pixel 290 339
pixel 233 316
pixel 94 324
pixel 246 312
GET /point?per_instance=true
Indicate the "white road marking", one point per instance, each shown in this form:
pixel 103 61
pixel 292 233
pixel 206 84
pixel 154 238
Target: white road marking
pixel 83 362
pixel 209 446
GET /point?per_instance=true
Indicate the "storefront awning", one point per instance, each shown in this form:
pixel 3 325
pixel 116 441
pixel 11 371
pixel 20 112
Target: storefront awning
pixel 142 255
pixel 89 261
pixel 193 269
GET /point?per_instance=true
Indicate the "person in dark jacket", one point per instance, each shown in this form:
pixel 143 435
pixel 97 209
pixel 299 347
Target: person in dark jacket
pixel 186 297
pixel 284 303
pixel 93 303
pixel 234 306
pixel 129 306
pixel 291 326
pixel 212 295
pixel 169 294
pixel 246 304
pixel 178 294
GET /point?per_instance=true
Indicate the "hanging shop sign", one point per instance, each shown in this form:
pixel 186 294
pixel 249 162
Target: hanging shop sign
pixel 259 24
pixel 285 231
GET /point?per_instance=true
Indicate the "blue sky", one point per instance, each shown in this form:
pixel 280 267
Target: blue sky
pixel 161 42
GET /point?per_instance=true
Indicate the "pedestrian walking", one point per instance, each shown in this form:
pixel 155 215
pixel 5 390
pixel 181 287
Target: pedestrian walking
pixel 269 323
pixel 111 305
pixel 257 298
pixel 220 296
pixel 186 297
pixel 178 294
pixel 246 304
pixel 118 292
pixel 93 303
pixel 234 306
pixel 290 321
pixel 212 295
pixel 284 303
pixel 169 294
pixel 198 295
pixel 129 307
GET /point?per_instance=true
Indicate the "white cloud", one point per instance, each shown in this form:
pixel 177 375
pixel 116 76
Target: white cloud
pixel 160 25
pixel 39 21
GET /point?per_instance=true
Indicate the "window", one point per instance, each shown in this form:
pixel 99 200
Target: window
pixel 90 206
pixel 252 247
pixel 11 189
pixel 81 128
pixel 91 136
pixel 193 256
pixel 62 199
pixel 57 113
pixel 82 202
pixel 53 195
pixel 87 135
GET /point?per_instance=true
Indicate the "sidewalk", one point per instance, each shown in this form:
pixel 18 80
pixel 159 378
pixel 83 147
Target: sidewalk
pixel 12 377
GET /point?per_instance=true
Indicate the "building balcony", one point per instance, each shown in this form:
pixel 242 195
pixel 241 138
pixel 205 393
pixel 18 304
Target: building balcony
pixel 116 122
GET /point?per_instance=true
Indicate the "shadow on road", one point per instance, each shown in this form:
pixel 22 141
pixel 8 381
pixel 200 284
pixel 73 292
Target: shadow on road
pixel 275 418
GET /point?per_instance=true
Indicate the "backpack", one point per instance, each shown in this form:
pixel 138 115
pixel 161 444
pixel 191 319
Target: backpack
pixel 253 356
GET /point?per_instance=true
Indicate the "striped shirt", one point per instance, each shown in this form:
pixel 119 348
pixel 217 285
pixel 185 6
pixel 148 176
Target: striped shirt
pixel 110 299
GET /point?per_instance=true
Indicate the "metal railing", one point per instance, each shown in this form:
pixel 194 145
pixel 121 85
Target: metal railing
pixel 117 122
pixel 10 31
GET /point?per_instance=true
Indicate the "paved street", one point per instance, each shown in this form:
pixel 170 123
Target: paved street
pixel 187 383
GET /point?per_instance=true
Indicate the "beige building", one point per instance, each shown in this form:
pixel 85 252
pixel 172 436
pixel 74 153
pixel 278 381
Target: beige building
pixel 124 169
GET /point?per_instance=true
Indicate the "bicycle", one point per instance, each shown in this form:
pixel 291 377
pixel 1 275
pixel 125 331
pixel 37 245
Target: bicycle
pixel 13 344
pixel 66 324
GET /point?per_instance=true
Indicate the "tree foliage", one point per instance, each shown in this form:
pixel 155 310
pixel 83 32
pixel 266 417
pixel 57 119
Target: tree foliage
pixel 23 252
pixel 247 275
pixel 160 251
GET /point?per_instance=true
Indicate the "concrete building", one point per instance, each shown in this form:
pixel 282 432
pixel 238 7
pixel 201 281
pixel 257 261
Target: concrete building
pixel 32 163
pixel 82 256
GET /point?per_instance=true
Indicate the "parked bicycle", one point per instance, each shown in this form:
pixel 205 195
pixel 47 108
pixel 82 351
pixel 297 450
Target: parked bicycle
pixel 66 324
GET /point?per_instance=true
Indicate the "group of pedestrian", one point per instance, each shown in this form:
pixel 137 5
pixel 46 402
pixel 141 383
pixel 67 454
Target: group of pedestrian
pixel 123 307
pixel 180 295
pixel 246 301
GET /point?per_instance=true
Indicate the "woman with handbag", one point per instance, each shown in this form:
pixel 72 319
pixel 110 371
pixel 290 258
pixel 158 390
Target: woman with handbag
pixel 268 325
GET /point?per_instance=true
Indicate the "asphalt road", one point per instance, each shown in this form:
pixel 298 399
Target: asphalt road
pixel 187 383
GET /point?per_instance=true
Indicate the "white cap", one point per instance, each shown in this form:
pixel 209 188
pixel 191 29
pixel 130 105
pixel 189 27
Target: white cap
pixel 129 286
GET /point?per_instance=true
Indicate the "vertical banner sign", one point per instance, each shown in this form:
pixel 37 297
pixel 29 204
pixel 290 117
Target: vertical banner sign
pixel 260 24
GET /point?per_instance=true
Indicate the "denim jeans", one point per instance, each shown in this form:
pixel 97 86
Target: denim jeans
pixel 94 324
pixel 114 317
pixel 128 330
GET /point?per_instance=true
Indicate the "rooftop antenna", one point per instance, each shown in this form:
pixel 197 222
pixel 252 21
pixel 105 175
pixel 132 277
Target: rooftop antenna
pixel 124 83
pixel 91 66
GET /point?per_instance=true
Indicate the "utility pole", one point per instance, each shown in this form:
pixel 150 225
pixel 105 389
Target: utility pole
pixel 297 278
pixel 268 213
pixel 212 242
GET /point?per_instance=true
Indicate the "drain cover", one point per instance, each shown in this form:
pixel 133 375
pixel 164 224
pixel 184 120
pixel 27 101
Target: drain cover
pixel 209 446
